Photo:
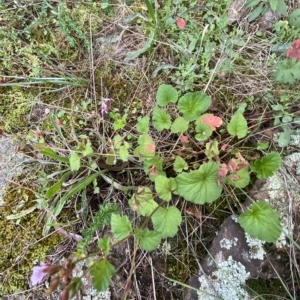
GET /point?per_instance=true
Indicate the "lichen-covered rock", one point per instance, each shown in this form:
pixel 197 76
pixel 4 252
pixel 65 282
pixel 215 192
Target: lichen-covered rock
pixel 282 192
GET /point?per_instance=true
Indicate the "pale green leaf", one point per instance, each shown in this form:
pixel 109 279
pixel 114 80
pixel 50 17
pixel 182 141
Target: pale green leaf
pixel 284 138
pixel 160 119
pixel 192 104
pixel 74 161
pixel 240 179
pixel 238 126
pixel 288 71
pixel 256 13
pixel 281 7
pixel 204 131
pixel 261 222
pixel 180 125
pixel 166 221
pixel 212 149
pixel 251 3
pixel 88 149
pixel 165 94
pixel 120 226
pixel 163 188
pixel 118 141
pixel 149 240
pixel 200 186
pixel 57 186
pixel 274 4
pixel 21 214
pixel 142 201
pixel 266 166
pixel 123 152
pixel 143 124
pixel 262 145
pixel 104 244
pixel 180 164
pixel 147 147
pixel 101 272
pixel 154 167
pixel 294 18
pixel 50 153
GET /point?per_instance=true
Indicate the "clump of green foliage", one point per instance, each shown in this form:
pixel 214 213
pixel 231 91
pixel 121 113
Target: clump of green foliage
pixel 195 135
pixel 181 148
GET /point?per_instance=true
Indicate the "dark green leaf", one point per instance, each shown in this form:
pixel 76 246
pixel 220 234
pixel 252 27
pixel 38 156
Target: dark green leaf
pixel 101 273
pixel 266 166
pixel 149 240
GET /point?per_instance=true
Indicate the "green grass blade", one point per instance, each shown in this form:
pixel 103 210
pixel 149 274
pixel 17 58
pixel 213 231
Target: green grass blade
pixel 150 9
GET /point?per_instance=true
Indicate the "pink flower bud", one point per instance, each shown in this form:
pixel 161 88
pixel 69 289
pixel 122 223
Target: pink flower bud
pixel 181 23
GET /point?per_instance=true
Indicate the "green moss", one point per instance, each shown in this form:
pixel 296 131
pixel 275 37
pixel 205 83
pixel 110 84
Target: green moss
pixel 267 289
pixel 15 103
pixel 21 242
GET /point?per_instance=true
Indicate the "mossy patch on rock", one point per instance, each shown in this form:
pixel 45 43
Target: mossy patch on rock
pixel 21 241
pixel 15 103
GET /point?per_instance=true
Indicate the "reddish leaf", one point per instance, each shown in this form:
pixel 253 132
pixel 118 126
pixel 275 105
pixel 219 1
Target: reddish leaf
pixel 184 139
pixel 59 123
pixel 224 146
pixel 232 165
pixel 153 170
pixel 181 23
pixel 294 51
pixel 222 172
pixel 212 121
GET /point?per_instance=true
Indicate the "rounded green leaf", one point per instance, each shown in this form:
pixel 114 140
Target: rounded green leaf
pixel 200 186
pixel 203 132
pixel 120 226
pixel 149 240
pixel 192 104
pixel 163 187
pixel 238 126
pixel 240 179
pixel 267 165
pixel 143 124
pixel 142 201
pixel 101 272
pixel 180 125
pixel 160 119
pixel 261 221
pixel 166 221
pixel 165 94
pixel 180 164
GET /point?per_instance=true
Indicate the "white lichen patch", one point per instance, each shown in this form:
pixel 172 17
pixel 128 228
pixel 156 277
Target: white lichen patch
pixel 226 283
pixel 9 161
pixel 256 250
pixel 226 243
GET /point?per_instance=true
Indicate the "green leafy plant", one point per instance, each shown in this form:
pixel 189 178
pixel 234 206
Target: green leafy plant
pixel 262 6
pixel 200 184
pixel 288 71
